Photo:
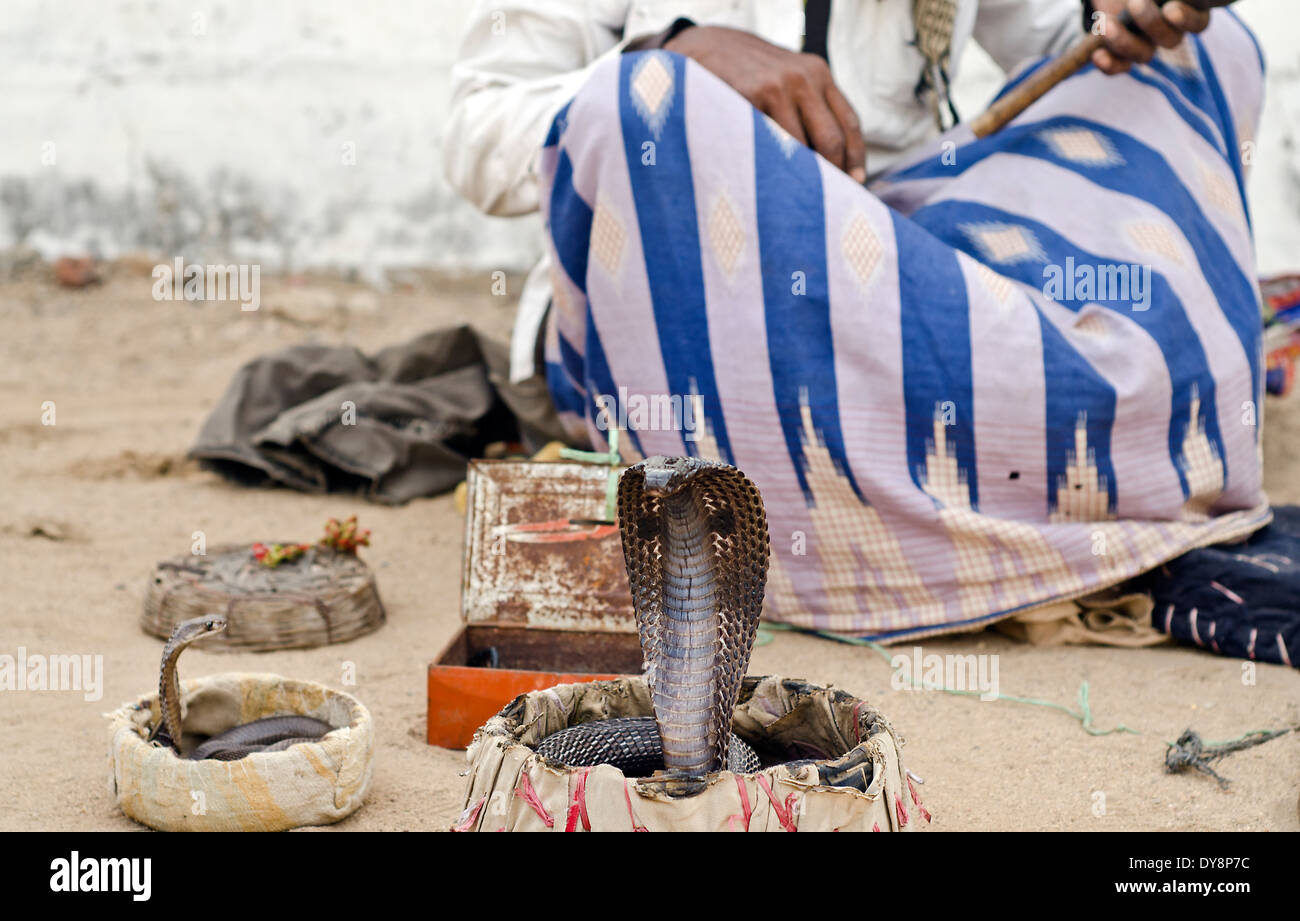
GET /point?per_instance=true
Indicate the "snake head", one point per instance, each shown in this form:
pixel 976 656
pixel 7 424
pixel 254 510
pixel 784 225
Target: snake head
pixel 215 623
pixel 198 627
pixel 665 475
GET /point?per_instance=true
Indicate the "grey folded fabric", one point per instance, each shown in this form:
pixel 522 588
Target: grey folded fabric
pixel 400 424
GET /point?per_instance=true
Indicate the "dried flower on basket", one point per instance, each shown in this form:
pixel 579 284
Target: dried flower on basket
pixel 274 554
pixel 345 538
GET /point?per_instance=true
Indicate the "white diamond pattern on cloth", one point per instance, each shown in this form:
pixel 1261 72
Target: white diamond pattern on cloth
pixel 726 235
pixel 997 285
pixel 652 90
pixel 861 248
pixel 1082 145
pixel 1155 239
pixel 607 238
pixel 1005 244
pixel 1222 193
pixel 1093 323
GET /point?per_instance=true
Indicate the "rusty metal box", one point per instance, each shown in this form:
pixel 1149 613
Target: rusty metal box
pixel 544 593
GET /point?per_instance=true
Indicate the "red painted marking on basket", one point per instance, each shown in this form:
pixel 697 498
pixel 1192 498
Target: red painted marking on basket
pixel 875 826
pixel 578 808
pixel 1228 592
pixel 901 811
pixel 469 815
pixel 784 814
pixel 745 811
pixel 636 826
pixel 925 813
pixel 528 793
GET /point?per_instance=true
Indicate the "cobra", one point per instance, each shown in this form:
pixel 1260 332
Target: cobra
pixel 695 544
pixel 273 733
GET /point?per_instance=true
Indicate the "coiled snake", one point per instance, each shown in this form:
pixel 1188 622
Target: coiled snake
pixel 696 548
pixel 273 733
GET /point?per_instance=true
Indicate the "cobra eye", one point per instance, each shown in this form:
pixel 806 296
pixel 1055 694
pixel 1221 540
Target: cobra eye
pixel 210 624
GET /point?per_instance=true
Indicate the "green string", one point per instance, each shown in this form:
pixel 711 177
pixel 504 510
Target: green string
pixel 1083 714
pixel 610 457
pixel 766 634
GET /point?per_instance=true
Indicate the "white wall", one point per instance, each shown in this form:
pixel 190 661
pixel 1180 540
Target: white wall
pixel 220 127
pixel 222 124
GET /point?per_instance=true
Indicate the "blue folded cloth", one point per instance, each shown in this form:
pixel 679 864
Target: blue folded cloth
pixel 1240 599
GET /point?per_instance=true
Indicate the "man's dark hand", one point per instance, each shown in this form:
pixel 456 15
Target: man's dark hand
pixel 794 90
pixel 1164 26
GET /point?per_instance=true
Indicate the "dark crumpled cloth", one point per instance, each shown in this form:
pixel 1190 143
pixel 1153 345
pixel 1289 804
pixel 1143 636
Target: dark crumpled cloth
pixel 422 410
pixel 1240 600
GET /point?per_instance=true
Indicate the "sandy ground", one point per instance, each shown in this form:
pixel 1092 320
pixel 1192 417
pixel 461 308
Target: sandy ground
pixel 92 502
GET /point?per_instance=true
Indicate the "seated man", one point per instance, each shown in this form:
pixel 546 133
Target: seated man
pixel 1010 371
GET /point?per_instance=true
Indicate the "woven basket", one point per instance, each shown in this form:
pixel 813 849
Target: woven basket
pixel 322 597
pixel 312 783
pixel 512 788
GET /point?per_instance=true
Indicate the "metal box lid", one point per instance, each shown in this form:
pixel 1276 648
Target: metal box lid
pixel 540 550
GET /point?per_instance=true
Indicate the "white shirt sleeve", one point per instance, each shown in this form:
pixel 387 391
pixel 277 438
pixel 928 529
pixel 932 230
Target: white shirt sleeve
pixel 519 63
pixel 1012 31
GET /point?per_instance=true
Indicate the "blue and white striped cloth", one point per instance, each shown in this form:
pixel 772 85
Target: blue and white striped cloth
pixel 1013 371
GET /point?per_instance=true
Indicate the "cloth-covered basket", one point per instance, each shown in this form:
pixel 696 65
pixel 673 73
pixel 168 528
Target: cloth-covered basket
pixel 313 783
pixel 512 788
pixel 323 597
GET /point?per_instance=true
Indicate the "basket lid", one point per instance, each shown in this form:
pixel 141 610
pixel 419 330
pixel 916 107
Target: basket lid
pixel 542 548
